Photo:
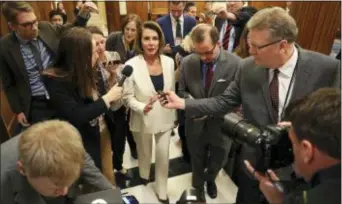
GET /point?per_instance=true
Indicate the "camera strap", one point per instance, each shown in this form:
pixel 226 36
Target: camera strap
pixel 288 91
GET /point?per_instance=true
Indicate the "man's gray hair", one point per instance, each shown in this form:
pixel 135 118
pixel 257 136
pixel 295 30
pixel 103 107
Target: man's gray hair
pixel 280 24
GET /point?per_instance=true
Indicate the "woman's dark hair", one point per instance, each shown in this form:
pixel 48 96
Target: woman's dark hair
pixel 73 61
pixel 95 30
pixel 242 50
pixel 152 26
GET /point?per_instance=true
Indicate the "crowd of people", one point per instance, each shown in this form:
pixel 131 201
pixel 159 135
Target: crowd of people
pixel 62 81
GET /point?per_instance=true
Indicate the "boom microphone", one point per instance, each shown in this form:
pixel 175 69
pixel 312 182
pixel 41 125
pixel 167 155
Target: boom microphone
pixel 126 72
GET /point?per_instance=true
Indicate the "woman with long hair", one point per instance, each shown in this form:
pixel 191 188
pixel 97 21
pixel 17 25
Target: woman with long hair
pixel 153 73
pixel 73 88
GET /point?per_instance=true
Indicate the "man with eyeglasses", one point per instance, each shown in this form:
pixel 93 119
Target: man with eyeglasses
pixel 277 73
pixel 27 50
pixel 206 73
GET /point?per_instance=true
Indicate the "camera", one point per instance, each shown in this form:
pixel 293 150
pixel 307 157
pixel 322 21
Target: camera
pixel 272 140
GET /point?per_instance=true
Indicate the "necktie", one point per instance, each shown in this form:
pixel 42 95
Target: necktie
pixel 225 41
pixel 208 77
pixel 178 29
pixel 274 93
pixel 100 83
pixel 36 55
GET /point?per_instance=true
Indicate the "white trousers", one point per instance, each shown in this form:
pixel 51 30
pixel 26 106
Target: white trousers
pixel 144 149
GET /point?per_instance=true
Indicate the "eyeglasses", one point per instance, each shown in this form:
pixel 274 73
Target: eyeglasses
pixel 262 46
pixel 210 52
pixel 111 63
pixel 29 24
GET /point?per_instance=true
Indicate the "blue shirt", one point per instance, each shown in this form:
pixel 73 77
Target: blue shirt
pixel 204 68
pixel 36 83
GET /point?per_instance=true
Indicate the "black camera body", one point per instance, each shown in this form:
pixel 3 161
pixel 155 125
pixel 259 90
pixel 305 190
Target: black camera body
pixel 273 141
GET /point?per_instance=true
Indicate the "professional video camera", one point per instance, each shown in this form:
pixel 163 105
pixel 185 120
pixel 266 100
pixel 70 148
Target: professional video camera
pixel 276 148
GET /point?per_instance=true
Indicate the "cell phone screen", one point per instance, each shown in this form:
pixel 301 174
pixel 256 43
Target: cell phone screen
pixel 130 200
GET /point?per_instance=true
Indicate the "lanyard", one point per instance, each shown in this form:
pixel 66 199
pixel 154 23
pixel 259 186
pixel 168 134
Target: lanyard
pixel 288 90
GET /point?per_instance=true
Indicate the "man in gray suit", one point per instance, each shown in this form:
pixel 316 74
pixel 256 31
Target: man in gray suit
pixel 206 73
pixel 41 164
pixel 277 73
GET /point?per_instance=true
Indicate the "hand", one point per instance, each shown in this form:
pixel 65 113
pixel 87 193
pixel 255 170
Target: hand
pixel 150 103
pixel 270 191
pixel 285 124
pixel 172 101
pixel 167 49
pixel 114 94
pixel 88 7
pixel 222 13
pixel 21 118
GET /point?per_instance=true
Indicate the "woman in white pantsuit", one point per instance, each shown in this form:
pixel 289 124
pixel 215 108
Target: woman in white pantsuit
pixel 152 72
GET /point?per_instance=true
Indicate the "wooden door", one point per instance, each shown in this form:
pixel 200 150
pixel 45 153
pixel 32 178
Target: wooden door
pixel 113 16
pixel 318 23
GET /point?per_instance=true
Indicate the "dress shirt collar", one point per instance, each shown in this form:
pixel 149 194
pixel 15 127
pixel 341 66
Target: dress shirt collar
pixel 181 19
pixel 288 68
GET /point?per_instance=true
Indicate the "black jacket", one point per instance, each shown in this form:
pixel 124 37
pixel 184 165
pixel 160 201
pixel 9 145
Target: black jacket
pixel 325 188
pixel 81 112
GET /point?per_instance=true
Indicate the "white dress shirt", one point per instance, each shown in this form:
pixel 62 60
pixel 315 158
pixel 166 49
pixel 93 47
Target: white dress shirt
pixel 174 26
pixel 284 79
pixel 231 36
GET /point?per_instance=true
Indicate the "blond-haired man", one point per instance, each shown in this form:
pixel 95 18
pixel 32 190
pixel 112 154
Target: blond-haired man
pixel 43 163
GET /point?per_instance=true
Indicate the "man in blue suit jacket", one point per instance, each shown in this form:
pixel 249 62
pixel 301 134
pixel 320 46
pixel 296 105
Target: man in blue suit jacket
pixel 169 25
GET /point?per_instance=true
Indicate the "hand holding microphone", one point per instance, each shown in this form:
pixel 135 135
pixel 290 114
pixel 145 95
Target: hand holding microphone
pixel 115 93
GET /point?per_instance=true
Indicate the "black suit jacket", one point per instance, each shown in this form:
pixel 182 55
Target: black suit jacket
pixel 81 112
pixel 242 17
pixel 15 79
pixel 250 88
pixel 325 188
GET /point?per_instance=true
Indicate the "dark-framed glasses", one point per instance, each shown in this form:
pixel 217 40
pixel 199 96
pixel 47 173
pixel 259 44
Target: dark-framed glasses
pixel 210 52
pixel 29 24
pixel 262 46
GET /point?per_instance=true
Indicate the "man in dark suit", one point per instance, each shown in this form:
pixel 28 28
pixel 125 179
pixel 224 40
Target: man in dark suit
pixel 175 26
pixel 277 73
pixel 231 21
pixel 24 52
pixel 206 73
pixel 44 164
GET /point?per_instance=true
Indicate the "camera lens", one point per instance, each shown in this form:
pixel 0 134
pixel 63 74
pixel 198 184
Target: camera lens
pixel 239 130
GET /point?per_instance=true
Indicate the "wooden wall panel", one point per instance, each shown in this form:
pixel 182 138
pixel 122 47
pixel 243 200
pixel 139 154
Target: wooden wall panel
pixel 69 7
pixel 8 118
pixel 139 8
pixel 3 24
pixel 113 16
pixel 42 9
pixel 264 4
pixel 318 23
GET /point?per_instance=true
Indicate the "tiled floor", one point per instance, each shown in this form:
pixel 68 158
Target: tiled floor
pixel 179 179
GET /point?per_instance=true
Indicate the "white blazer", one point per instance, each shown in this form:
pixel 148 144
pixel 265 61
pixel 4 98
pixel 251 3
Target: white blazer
pixel 138 89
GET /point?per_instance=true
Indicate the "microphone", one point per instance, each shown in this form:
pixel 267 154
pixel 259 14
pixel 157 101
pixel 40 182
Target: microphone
pixel 126 72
